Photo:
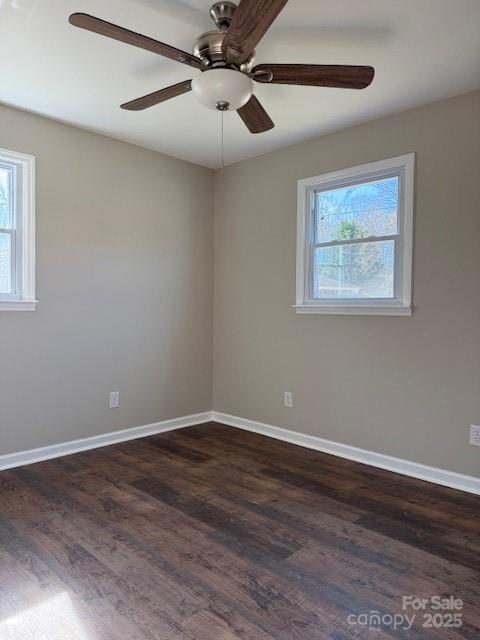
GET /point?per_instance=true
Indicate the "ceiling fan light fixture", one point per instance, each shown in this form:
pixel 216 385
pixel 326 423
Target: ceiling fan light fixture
pixel 218 87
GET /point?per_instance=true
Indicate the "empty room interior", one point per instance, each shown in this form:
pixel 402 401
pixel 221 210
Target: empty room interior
pixel 239 319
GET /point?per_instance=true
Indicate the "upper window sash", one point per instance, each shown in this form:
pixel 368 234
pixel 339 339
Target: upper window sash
pixel 9 222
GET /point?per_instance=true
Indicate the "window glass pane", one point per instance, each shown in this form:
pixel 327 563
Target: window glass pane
pixel 361 270
pixel 6 175
pixel 5 263
pixel 358 211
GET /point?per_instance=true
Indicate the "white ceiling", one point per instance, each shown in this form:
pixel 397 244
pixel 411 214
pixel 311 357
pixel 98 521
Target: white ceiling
pixel 422 50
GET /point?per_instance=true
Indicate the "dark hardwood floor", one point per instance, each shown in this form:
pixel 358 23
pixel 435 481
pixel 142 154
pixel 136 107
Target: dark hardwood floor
pixel 212 533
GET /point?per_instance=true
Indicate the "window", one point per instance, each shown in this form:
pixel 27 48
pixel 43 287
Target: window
pixel 354 240
pixel 17 231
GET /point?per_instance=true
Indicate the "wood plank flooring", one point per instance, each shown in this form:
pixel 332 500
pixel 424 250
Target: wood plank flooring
pixel 213 533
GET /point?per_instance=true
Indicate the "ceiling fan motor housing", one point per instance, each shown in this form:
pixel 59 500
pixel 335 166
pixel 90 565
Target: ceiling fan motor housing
pixel 208 47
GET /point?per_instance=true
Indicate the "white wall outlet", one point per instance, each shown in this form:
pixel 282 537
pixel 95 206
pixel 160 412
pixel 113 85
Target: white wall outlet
pixel 475 434
pixel 114 399
pixel 288 399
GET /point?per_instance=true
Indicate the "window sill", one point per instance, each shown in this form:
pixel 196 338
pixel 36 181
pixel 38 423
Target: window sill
pixel 353 310
pixel 18 305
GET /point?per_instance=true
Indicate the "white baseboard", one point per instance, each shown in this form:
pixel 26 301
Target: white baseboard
pixel 10 460
pixel 446 478
pixel 443 477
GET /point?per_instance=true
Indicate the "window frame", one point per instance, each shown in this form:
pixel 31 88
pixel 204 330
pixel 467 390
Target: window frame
pixel 401 305
pixel 23 232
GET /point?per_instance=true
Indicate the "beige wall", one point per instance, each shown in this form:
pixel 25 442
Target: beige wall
pixel 124 280
pixel 408 387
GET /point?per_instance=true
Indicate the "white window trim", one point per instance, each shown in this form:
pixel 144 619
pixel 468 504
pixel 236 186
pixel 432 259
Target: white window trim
pixel 397 307
pixel 24 299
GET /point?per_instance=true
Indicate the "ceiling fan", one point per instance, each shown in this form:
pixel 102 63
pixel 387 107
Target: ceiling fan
pixel 226 56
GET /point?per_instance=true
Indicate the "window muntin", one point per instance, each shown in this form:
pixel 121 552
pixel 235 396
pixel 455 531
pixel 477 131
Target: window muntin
pixel 354 239
pixel 17 231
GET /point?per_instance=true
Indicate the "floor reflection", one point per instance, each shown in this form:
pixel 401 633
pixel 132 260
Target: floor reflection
pixel 54 619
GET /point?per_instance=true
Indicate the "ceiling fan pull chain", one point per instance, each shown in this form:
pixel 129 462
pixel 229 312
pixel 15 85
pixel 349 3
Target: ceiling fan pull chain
pixel 222 163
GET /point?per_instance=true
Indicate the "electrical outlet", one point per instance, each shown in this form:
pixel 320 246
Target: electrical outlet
pixel 475 435
pixel 114 399
pixel 288 399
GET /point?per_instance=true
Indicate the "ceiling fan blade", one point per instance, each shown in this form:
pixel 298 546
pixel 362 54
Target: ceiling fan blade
pixel 90 23
pixel 156 97
pixel 249 24
pixel 255 116
pixel 315 75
